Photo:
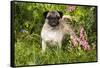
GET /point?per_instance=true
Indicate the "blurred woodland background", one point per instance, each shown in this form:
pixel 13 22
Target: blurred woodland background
pixel 28 22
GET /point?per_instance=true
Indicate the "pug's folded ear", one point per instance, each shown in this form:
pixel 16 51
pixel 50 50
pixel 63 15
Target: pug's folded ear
pixel 61 14
pixel 45 13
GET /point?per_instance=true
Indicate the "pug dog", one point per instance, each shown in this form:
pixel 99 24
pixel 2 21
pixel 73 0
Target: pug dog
pixel 54 29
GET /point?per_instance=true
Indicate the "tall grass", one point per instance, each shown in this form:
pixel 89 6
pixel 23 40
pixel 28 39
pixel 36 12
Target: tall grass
pixel 28 52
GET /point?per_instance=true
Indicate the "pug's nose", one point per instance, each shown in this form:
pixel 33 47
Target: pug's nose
pixel 53 23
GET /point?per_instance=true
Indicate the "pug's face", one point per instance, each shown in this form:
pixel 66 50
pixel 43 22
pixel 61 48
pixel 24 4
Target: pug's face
pixel 53 17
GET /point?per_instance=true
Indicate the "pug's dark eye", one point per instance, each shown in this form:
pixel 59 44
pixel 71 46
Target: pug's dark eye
pixel 48 17
pixel 58 17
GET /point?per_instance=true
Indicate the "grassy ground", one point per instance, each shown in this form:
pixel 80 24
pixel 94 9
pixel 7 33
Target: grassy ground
pixel 28 52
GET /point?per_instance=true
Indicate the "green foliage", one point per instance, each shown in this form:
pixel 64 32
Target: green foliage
pixel 28 22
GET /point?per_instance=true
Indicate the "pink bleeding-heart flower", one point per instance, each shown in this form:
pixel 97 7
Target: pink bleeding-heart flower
pixel 71 8
pixel 74 40
pixel 83 39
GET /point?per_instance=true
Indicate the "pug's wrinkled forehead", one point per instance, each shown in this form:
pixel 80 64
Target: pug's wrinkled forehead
pixel 53 14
